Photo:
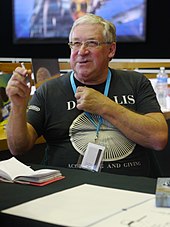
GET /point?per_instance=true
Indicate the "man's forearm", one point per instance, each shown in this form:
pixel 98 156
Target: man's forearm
pixel 148 130
pixel 17 132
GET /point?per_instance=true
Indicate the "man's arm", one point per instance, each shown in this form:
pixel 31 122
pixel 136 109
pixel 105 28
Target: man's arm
pixel 21 136
pixel 149 130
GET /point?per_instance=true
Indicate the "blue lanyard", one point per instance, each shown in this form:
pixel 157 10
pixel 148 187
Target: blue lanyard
pixel 106 91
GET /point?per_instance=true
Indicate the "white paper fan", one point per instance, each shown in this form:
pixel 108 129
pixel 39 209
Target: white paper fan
pixel 82 131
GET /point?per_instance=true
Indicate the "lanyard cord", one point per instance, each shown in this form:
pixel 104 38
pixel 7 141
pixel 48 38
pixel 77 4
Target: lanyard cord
pixel 106 91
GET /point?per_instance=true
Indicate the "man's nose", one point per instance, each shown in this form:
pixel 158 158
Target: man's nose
pixel 83 49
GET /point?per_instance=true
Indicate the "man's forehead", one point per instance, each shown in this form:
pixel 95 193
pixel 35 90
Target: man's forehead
pixel 89 30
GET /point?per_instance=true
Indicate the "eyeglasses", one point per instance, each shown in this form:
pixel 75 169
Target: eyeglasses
pixel 87 44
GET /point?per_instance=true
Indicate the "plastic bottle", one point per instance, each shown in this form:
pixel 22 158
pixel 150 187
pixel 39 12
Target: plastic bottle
pixel 162 87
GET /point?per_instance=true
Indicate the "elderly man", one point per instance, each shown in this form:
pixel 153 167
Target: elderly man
pixel 92 104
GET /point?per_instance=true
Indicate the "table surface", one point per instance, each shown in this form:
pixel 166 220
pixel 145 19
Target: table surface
pixel 15 194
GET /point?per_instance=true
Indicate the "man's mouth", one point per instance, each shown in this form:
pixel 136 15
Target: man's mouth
pixel 83 62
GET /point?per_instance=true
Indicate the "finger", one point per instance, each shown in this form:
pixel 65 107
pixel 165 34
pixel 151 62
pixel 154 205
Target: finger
pixel 12 90
pixel 16 87
pixel 80 89
pixel 21 77
pixel 21 71
pixel 79 92
pixel 18 75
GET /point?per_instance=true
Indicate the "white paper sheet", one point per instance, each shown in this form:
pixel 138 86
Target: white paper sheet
pixel 143 215
pixel 79 206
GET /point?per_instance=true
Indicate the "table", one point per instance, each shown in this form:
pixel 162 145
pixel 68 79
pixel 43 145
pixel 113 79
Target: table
pixel 15 194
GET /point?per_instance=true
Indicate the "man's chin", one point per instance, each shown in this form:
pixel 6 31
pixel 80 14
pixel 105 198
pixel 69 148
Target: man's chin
pixel 83 71
pixel 82 76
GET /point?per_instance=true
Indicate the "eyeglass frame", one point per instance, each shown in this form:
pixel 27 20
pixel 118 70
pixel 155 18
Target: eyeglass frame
pixel 86 44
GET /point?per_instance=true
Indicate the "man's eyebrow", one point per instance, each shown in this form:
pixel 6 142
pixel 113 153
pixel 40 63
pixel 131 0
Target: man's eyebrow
pixel 85 39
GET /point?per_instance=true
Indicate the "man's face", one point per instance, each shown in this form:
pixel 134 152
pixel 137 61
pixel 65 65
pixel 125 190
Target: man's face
pixel 90 64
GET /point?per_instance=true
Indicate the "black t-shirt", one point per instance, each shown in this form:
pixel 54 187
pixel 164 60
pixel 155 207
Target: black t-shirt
pixel 67 130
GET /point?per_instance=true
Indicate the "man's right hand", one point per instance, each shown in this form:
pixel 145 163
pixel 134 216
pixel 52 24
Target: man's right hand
pixel 18 89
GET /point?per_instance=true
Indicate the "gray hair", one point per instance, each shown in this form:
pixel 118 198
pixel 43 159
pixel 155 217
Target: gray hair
pixel 109 29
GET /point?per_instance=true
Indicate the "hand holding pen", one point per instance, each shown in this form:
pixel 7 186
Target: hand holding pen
pixel 19 86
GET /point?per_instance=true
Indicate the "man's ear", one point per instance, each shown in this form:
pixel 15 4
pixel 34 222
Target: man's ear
pixel 112 50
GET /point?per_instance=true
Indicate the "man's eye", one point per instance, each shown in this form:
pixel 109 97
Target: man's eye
pixel 77 44
pixel 92 43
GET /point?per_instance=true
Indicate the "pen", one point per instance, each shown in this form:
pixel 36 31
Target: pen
pixel 22 65
pixel 27 77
